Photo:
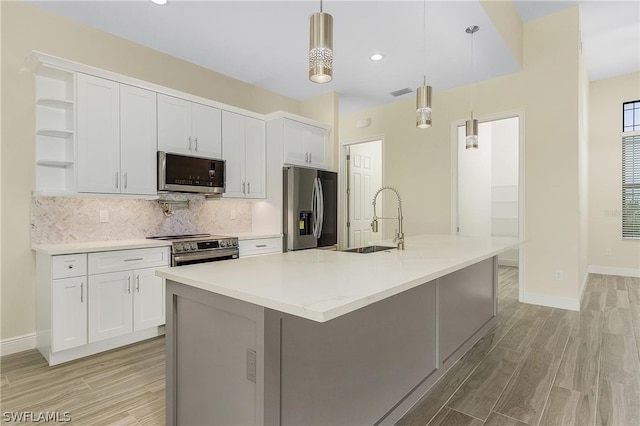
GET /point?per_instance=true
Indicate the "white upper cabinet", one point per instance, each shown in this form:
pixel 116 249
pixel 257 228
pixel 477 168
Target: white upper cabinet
pixel 138 138
pixel 188 128
pixel 98 135
pixel 304 144
pixel 244 150
pixel 116 138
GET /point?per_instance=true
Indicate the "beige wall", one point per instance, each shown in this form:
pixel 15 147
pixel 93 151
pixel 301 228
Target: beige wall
pixel 547 92
pixel 25 28
pixel 605 177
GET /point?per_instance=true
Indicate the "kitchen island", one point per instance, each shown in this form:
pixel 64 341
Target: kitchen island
pixel 322 337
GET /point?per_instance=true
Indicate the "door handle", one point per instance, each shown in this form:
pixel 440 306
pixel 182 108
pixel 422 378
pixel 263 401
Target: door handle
pixel 189 143
pixel 310 160
pixel 129 285
pixel 248 187
pixel 81 292
pixel 306 157
pixel 196 144
pixel 117 181
pixel 243 187
pixel 138 283
pixel 125 180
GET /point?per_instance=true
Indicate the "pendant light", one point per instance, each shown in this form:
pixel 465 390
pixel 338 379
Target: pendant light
pixel 321 47
pixel 423 93
pixel 472 124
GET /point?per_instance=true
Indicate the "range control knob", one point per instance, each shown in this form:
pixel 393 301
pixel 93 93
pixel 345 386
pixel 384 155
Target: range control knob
pixel 223 243
pixel 194 246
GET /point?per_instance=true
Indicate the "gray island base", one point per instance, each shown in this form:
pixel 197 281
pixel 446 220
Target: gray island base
pixel 234 362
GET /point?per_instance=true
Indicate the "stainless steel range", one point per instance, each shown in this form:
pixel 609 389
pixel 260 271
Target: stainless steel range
pixel 200 248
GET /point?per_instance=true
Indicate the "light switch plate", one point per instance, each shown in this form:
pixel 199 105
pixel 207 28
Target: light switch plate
pixel 104 216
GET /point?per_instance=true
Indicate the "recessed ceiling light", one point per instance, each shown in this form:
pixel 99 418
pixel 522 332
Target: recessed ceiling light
pixel 159 1
pixel 376 57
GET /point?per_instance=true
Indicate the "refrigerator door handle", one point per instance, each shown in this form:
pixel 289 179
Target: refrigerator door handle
pixel 314 208
pixel 320 207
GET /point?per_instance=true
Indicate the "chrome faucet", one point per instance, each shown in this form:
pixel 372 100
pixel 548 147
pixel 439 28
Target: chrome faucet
pixel 399 238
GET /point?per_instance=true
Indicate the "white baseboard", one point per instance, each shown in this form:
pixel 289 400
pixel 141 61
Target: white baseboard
pixel 17 344
pixel 607 270
pixel 552 302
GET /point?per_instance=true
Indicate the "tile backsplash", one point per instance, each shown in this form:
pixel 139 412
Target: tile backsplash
pixel 77 219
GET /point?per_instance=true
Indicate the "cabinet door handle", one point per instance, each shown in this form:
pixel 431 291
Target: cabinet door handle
pixel 306 157
pixel 129 285
pixel 125 180
pixel 196 144
pixel 138 283
pixel 81 292
pixel 248 187
pixel 243 187
pixel 189 143
pixel 117 180
pixel 134 259
pixel 310 160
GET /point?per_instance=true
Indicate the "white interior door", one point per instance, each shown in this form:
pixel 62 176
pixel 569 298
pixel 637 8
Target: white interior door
pixel 488 183
pixel 365 177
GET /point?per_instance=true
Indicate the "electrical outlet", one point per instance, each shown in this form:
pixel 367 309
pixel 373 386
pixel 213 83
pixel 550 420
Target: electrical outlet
pixel 608 252
pixel 559 275
pixel 104 216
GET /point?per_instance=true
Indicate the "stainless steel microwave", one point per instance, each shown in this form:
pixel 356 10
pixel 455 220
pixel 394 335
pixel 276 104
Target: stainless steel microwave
pixel 185 173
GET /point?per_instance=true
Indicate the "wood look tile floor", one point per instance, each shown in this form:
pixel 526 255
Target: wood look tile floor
pixel 541 366
pixel 536 366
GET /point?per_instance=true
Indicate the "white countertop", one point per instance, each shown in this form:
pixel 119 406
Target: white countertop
pixel 95 246
pixel 321 285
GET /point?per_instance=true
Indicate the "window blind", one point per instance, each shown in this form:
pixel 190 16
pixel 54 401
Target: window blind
pixel 631 186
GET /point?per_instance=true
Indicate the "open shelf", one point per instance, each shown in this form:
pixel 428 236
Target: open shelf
pixel 54 163
pixel 55 103
pixel 55 133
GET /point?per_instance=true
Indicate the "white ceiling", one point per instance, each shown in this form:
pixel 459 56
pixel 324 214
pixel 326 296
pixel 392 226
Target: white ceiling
pixel 265 43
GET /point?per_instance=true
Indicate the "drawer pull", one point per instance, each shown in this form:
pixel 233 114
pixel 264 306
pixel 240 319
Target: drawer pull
pixel 81 292
pixel 261 245
pixel 134 259
pixel 71 266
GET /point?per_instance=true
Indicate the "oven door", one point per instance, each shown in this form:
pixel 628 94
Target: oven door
pixel 181 259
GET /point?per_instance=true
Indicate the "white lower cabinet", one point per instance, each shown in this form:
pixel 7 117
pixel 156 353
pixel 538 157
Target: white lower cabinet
pixel 259 246
pixel 110 305
pixel 89 303
pixel 148 299
pixel 122 302
pixel 69 318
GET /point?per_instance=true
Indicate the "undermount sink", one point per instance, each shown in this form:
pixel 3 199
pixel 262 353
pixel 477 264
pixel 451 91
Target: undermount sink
pixel 368 249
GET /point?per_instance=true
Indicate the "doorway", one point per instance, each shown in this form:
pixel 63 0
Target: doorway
pixel 488 183
pixel 362 163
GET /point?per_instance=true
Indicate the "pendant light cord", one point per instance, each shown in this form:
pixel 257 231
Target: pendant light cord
pixel 424 40
pixel 320 6
pixel 473 76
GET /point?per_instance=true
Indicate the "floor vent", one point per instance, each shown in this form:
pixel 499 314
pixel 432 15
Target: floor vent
pixel 401 92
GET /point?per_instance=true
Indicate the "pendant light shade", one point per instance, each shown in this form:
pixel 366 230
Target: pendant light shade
pixel 423 107
pixel 321 47
pixel 472 133
pixel 472 124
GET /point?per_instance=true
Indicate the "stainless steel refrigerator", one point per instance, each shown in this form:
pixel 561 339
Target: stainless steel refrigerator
pixel 310 208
